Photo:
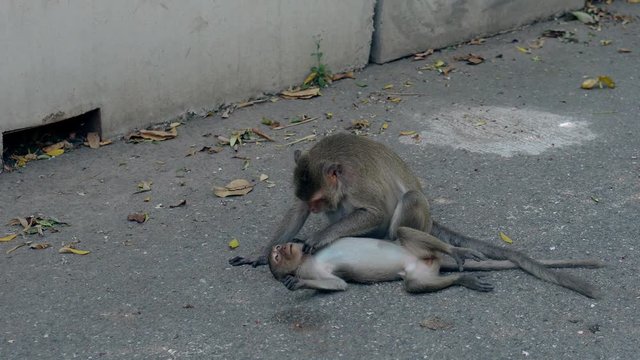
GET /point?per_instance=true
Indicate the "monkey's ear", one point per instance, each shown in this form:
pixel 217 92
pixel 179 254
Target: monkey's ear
pixel 296 155
pixel 333 171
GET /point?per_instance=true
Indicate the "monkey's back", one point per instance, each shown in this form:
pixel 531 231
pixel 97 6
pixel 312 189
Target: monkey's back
pixel 364 260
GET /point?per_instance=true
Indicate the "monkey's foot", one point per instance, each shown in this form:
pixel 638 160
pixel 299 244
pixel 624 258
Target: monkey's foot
pixel 459 254
pixel 475 283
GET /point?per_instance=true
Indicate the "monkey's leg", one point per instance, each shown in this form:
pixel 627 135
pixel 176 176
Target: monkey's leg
pixel 411 211
pixel 425 278
pixel 422 245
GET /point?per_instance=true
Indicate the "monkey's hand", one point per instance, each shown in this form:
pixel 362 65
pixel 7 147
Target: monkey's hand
pixel 459 254
pixel 291 282
pixel 241 260
pixel 308 249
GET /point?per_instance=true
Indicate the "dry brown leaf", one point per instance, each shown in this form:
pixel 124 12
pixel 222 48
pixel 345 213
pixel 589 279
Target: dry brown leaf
pixel 422 55
pixel 537 43
pixel 478 41
pixel 138 217
pixel 436 323
pixel 238 187
pixel 211 149
pixel 359 124
pixel 39 246
pixel 344 75
pixel 471 59
pixel 181 203
pixel 446 70
pixel 154 135
pixel 408 132
pixel 93 139
pixel 263 177
pixel 394 99
pixel 301 94
pixel 144 186
pixel 624 50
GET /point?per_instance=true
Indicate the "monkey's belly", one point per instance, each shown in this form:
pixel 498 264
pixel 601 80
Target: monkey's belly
pixel 364 259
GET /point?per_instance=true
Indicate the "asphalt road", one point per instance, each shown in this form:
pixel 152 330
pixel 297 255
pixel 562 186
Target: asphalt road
pixel 512 144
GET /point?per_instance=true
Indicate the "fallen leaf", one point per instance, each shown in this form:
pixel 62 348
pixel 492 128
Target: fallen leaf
pixel 605 42
pixel 422 55
pixel 72 250
pixel 301 94
pixel 478 41
pixel 56 146
pixel 344 75
pixel 624 50
pixel 310 78
pixel 589 84
pixel 385 126
pixel 93 139
pixel 263 177
pixel 394 99
pixel 446 70
pixel 362 85
pixel 138 217
pixel 471 59
pixel 537 43
pixel 505 238
pixel 554 33
pixel 234 243
pixel 39 246
pixel 211 149
pixel 408 132
pixel 153 135
pixel 359 124
pixel 144 186
pixel 439 64
pixel 633 1
pixel 328 115
pixel 436 323
pixel 147 199
pixel 236 187
pixel 523 50
pixel 595 199
pixel 600 81
pixel 181 203
pixel 387 87
pixel 56 152
pixel 8 237
pixel 584 18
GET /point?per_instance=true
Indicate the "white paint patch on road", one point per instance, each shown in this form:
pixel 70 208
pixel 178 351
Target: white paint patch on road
pixel 499 130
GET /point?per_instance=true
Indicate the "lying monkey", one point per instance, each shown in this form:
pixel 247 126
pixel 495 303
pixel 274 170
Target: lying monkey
pixel 366 190
pixel 416 259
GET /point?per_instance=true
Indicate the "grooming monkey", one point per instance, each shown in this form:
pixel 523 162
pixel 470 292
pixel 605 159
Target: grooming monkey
pixel 366 190
pixel 415 258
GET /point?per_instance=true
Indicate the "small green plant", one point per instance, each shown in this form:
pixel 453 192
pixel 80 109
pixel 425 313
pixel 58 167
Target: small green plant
pixel 320 74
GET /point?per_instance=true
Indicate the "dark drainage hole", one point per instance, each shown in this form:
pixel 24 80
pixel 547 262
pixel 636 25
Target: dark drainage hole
pixel 17 144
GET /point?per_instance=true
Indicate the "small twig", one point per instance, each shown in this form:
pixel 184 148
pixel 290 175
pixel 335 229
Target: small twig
pixel 401 93
pixel 240 157
pixel 18 247
pixel 306 138
pixel 295 124
pixel 261 134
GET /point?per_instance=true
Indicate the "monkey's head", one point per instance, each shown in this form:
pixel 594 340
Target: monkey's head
pixel 319 185
pixel 285 259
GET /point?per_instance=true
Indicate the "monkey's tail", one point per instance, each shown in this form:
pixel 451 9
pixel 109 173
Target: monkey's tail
pixel 523 261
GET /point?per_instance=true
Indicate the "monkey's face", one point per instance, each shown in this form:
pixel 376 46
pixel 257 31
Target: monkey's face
pixel 285 259
pixel 316 186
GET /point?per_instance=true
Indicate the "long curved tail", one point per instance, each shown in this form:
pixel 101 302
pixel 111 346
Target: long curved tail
pixel 523 261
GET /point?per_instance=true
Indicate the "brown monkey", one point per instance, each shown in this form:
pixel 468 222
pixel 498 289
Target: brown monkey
pixel 416 259
pixel 365 189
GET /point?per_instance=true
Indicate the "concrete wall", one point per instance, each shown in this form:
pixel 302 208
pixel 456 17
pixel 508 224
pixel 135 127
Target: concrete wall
pixel 406 27
pixel 143 61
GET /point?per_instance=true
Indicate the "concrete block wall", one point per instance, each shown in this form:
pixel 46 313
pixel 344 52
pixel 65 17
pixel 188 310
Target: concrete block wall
pixel 407 27
pixel 144 61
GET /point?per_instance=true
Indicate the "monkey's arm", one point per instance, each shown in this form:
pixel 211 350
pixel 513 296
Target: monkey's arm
pixel 422 244
pixel 359 222
pixel 290 225
pixel 332 283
